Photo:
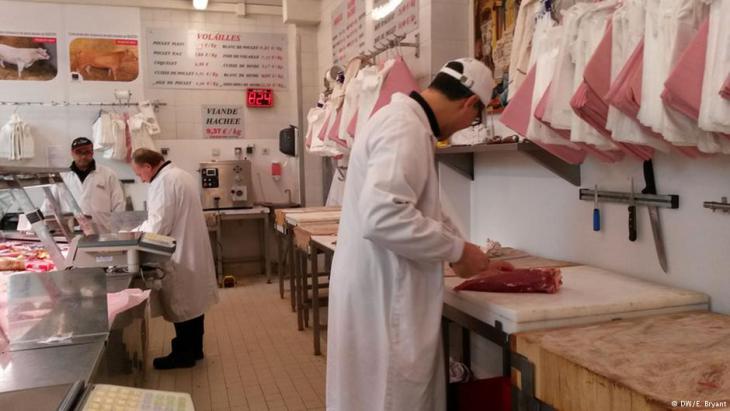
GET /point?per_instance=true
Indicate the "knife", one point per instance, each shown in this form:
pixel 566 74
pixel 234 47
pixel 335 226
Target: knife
pixel 632 214
pixel 656 227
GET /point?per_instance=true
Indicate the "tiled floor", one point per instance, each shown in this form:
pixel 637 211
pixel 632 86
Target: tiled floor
pixel 256 359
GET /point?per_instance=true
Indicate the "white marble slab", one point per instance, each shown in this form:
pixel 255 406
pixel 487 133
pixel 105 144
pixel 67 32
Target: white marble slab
pixel 588 295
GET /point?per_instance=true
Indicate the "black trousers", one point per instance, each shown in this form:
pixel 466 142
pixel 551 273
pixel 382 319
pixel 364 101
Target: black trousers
pixel 188 341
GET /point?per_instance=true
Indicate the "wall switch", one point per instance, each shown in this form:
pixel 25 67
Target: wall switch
pixel 216 152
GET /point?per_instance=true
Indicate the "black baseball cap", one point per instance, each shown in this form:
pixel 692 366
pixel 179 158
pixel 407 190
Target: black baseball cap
pixel 80 142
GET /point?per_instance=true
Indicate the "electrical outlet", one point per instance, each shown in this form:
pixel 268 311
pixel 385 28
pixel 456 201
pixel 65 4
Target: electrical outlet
pixel 216 152
pixel 164 151
pixel 249 149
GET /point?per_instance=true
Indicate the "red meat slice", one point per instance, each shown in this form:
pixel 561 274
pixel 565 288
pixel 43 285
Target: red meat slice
pixel 519 280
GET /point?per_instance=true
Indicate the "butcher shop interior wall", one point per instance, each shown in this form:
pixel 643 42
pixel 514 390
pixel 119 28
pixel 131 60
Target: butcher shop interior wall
pixel 66 73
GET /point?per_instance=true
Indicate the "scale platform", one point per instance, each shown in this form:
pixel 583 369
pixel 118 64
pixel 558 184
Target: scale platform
pixel 120 249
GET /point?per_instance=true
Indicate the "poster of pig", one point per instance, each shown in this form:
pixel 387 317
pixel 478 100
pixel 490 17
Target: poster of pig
pixel 94 59
pixel 28 58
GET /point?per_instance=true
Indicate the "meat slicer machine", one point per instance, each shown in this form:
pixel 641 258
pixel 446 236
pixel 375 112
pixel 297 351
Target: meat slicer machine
pixel 129 251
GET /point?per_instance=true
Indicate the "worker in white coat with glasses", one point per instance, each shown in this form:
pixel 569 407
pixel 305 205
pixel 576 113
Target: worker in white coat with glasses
pixel 96 188
pixel 384 349
pixel 189 287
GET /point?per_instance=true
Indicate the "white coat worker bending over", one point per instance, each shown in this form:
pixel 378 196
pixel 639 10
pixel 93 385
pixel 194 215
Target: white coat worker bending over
pixel 96 188
pixel 384 349
pixel 190 287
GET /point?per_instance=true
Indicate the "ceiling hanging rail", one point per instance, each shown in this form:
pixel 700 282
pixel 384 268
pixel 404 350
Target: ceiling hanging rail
pixel 396 41
pixel 155 103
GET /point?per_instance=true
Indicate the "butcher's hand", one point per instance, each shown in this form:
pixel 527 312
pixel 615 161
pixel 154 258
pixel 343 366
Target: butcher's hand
pixel 500 266
pixel 472 262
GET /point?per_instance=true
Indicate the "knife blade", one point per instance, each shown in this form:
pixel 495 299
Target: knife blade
pixel 656 226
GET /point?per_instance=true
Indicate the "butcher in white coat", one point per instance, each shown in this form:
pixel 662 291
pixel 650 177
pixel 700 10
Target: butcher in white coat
pixel 189 287
pixel 96 188
pixel 384 349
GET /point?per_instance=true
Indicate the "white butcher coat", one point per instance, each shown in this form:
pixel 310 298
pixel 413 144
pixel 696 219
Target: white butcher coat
pixel 384 349
pixel 189 288
pixel 98 196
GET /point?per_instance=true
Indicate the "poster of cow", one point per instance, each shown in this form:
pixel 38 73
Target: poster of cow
pixel 28 58
pixel 96 59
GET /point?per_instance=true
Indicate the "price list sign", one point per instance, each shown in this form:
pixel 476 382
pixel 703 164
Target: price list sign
pixel 348 30
pixel 402 20
pixel 198 59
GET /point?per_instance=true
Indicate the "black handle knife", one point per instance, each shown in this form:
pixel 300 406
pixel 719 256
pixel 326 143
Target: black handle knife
pixel 632 215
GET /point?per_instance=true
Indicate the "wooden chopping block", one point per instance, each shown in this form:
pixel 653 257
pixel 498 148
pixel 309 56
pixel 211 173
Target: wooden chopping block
pixel 303 233
pixel 316 217
pixel 632 365
pixel 280 214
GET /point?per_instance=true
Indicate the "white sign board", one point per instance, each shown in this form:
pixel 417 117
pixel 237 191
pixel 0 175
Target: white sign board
pixel 348 30
pixel 201 59
pixel 222 121
pixel 403 20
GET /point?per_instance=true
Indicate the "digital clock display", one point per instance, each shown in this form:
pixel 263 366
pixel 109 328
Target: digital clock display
pixel 260 97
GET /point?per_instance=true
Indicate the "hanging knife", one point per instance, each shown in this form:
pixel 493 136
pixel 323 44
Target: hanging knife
pixel 632 214
pixel 656 227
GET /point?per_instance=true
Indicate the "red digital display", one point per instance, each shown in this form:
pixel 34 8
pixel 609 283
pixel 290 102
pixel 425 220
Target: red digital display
pixel 260 97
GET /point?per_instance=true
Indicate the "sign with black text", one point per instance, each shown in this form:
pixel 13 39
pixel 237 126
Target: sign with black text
pixel 203 59
pixel 221 121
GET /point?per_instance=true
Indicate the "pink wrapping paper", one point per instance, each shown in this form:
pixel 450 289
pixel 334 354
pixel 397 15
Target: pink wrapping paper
pixel 124 300
pixel 517 116
pixel 604 156
pixel 399 80
pixel 587 102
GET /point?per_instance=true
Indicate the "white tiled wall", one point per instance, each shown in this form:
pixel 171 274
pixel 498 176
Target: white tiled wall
pixel 181 118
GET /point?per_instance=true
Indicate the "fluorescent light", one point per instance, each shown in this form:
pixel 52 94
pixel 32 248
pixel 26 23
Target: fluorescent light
pixel 384 10
pixel 200 4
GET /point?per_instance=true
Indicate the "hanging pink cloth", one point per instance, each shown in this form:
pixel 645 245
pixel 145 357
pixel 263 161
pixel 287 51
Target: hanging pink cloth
pixel 683 87
pixel 625 95
pixel 604 156
pixel 333 133
pixel 517 116
pixel 127 137
pixel 587 102
pixel 398 80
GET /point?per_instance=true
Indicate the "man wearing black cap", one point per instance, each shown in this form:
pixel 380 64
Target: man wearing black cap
pixel 96 188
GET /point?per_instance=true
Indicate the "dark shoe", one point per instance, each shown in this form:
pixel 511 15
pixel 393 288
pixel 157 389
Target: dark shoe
pixel 173 361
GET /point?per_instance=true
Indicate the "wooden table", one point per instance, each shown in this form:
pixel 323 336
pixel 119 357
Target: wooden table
pixel 589 295
pixel 257 213
pixel 326 245
pixel 642 364
pixel 285 242
pixel 307 257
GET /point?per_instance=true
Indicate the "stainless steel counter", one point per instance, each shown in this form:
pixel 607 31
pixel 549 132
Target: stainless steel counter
pixel 45 367
pixel 56 365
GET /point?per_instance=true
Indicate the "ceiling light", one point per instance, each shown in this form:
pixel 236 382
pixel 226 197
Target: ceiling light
pixel 384 10
pixel 200 4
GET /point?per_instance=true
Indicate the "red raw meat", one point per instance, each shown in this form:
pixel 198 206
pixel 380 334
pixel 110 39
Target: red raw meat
pixel 519 280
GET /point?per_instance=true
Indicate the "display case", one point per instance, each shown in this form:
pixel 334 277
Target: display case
pixel 16 181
